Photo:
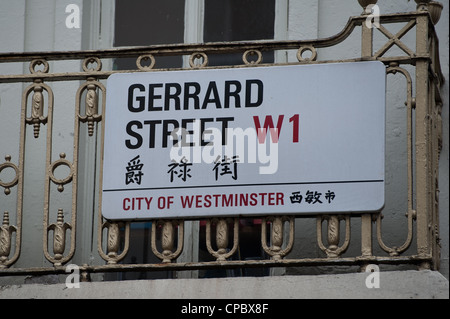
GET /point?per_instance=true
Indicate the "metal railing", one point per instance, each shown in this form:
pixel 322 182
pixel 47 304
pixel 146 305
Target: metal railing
pixel 423 103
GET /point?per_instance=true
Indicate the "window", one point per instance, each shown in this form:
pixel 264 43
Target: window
pixel 139 23
pixel 142 23
pixel 237 20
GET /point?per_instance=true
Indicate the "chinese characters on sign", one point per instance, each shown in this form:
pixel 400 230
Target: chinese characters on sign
pixel 180 170
pixel 134 171
pixel 312 197
pixel 222 166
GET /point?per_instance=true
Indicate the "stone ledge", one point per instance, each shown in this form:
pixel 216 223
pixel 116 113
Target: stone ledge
pixel 392 285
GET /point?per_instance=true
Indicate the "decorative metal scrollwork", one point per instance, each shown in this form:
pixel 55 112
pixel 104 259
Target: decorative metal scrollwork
pixel 37 101
pixel 276 251
pixel 395 251
pixel 59 237
pixel 37 110
pixel 168 239
pixel 91 103
pixel 6 231
pixel 197 56
pixel 305 48
pixel 92 60
pixel 146 57
pixel 333 250
pixel 61 182
pixel 249 53
pixel 13 182
pixel 112 255
pixel 394 68
pixel 395 39
pixel 222 252
pixel 37 62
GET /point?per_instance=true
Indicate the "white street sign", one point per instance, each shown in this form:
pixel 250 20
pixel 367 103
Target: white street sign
pixel 293 139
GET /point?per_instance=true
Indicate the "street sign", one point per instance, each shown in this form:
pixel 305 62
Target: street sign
pixel 293 139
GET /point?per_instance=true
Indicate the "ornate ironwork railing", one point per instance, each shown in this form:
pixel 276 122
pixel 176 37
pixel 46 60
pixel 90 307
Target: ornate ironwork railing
pixel 419 66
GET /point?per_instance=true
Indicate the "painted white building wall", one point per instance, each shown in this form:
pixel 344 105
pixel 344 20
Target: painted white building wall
pixel 27 25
